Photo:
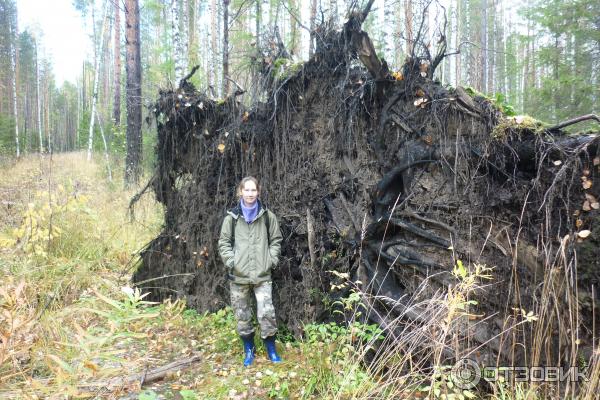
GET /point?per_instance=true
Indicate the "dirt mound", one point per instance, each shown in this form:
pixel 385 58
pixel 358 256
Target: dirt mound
pixel 388 178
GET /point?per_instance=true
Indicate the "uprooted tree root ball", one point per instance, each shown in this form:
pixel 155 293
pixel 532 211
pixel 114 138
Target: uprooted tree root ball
pixel 390 179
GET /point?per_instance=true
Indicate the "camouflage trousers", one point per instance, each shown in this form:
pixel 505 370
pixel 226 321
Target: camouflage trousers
pixel 241 302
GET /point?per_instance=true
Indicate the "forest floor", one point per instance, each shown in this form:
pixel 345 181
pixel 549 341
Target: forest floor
pixel 72 327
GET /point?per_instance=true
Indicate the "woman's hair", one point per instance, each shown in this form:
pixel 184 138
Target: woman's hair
pixel 243 182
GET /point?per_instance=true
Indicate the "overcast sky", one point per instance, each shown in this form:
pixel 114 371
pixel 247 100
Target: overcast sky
pixel 63 37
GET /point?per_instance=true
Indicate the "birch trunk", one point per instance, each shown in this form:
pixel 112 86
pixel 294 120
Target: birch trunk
pixel 388 30
pixel 106 158
pixel 39 108
pixel 225 47
pixel 313 26
pixel 177 47
pixel 212 70
pixel 409 26
pixel 97 50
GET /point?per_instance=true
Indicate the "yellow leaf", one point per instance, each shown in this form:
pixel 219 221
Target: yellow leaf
pixel 91 365
pixel 221 147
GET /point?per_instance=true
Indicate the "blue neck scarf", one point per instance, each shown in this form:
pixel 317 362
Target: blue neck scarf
pixel 249 213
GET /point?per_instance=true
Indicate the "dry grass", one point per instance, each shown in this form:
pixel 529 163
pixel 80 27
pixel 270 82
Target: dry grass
pixel 66 244
pixel 66 324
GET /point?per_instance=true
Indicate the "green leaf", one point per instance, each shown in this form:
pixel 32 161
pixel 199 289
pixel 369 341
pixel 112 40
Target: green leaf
pixel 148 395
pixel 460 270
pixel 188 394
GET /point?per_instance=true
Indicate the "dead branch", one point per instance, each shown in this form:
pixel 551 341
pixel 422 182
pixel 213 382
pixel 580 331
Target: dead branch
pixel 143 377
pixel 574 121
pixel 183 81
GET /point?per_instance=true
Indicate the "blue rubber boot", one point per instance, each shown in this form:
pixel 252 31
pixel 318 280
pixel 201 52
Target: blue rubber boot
pixel 249 349
pixel 271 350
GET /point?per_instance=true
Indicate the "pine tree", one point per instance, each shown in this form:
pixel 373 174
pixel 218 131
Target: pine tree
pixel 133 93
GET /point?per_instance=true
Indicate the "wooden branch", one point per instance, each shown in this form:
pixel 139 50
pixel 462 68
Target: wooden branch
pixel 138 195
pixel 143 377
pixel 188 76
pixel 365 12
pixel 433 222
pixel 239 90
pixel 420 232
pixel 574 121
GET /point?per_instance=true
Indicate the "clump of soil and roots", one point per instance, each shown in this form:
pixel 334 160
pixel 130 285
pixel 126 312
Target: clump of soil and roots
pixel 391 180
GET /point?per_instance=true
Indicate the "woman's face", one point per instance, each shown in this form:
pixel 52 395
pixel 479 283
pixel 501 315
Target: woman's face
pixel 249 193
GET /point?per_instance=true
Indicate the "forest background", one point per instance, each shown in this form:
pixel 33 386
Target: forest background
pixel 66 253
pixel 536 57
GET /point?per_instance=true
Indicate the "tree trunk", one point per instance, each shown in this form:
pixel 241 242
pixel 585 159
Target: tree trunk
pixel 408 20
pixel 313 26
pixel 491 44
pixel 117 71
pixel 177 38
pixel 48 101
pixel 258 22
pixel 483 61
pixel 388 30
pixel 457 40
pixel 133 92
pixel 13 63
pixel 294 28
pixel 37 90
pixel 225 48
pixel 106 157
pixel 97 51
pixel 192 46
pixel 212 70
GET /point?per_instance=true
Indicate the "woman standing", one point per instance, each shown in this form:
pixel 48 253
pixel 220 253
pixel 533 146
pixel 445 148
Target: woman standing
pixel 249 245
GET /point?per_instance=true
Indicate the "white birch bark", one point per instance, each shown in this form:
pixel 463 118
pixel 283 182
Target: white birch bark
pixel 39 107
pixel 177 39
pixel 106 158
pixel 388 30
pixel 97 51
pixel 213 80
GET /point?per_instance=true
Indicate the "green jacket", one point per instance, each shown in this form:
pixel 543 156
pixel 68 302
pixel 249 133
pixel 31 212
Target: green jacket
pixel 251 259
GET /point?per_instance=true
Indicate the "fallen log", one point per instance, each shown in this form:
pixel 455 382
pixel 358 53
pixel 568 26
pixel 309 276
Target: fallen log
pixel 142 378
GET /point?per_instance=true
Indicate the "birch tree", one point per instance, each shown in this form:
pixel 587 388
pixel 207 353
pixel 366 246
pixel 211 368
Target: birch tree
pixel 225 48
pixel 178 39
pixel 97 49
pixel 313 27
pixel 39 107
